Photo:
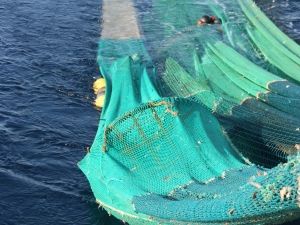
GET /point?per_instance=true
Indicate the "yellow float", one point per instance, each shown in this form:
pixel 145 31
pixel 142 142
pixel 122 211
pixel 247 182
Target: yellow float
pixel 99 89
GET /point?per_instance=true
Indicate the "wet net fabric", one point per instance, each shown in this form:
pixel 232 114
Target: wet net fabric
pixel 237 81
pixel 232 196
pixel 200 124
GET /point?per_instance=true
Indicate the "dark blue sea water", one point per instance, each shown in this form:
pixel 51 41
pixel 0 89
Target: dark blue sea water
pixel 47 64
pixel 47 119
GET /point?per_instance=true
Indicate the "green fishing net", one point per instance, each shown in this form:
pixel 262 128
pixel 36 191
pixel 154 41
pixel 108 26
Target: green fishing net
pixel 200 123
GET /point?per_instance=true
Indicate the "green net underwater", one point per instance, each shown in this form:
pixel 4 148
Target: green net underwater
pixel 201 121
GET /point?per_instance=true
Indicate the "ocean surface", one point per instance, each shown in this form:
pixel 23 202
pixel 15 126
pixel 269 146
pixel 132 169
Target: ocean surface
pixel 47 120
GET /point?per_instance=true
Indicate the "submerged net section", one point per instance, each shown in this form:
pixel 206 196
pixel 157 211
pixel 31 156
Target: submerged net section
pixel 263 124
pixel 200 123
pixel 257 105
pixel 280 50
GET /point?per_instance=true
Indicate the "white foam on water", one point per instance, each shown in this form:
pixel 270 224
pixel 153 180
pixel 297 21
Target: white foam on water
pixel 119 20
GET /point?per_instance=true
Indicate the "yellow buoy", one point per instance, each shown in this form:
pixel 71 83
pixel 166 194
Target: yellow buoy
pixel 99 89
pixel 98 84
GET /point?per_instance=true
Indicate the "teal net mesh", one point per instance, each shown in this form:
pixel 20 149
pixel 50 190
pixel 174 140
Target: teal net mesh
pixel 239 195
pixel 200 123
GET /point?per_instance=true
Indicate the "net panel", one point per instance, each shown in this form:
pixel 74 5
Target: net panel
pixel 255 196
pixel 269 30
pixel 275 55
pixel 251 88
pixel 185 127
pixel 255 124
